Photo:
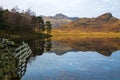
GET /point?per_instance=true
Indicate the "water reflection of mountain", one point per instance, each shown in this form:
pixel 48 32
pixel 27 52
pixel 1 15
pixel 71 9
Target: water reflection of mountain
pixel 14 57
pixel 59 49
pixel 105 46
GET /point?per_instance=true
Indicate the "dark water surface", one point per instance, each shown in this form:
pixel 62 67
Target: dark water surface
pixel 81 59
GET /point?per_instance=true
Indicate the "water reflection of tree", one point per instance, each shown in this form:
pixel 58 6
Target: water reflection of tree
pixel 12 67
pixel 8 67
pixel 37 46
pixel 40 45
pixel 48 44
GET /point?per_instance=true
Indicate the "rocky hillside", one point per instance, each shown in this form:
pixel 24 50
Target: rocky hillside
pixel 59 19
pixel 105 22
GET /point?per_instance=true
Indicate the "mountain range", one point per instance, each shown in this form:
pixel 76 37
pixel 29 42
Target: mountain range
pixel 59 19
pixel 105 23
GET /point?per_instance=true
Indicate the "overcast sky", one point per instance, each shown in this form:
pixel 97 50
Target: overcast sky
pixel 72 8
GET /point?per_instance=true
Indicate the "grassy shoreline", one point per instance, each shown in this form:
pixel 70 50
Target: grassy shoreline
pixel 27 36
pixel 60 34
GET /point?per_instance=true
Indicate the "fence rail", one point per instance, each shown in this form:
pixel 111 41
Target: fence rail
pixel 22 51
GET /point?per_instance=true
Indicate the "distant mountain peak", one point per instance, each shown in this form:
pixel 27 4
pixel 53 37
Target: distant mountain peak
pixel 60 15
pixel 105 22
pixel 108 14
pixel 59 19
pixel 105 16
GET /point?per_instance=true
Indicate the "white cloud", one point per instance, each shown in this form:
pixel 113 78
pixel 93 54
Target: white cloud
pixel 79 8
pixel 107 0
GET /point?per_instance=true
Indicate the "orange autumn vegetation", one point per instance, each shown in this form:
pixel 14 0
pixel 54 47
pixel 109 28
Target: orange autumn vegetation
pixel 102 26
pixel 76 34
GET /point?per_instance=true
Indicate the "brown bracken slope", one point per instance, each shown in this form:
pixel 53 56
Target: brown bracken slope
pixel 103 23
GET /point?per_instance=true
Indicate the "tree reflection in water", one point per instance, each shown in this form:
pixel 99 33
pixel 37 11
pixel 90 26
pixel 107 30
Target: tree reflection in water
pixel 13 65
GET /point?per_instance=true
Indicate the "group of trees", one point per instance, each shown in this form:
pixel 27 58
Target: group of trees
pixel 13 21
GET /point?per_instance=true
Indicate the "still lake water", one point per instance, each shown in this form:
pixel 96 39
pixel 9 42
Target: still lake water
pixel 81 59
pixel 74 66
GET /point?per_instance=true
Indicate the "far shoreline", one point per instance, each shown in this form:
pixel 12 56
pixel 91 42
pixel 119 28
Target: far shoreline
pixel 76 34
